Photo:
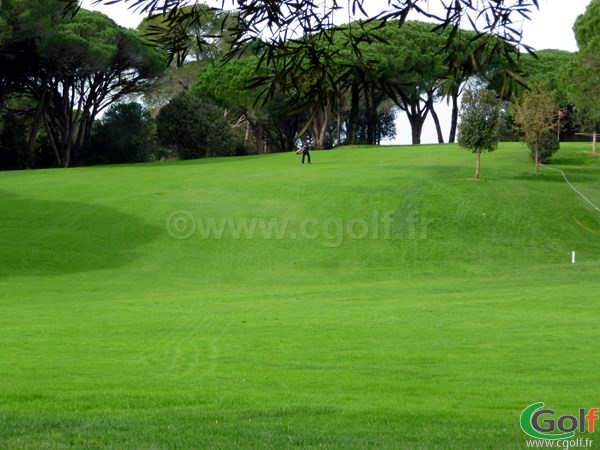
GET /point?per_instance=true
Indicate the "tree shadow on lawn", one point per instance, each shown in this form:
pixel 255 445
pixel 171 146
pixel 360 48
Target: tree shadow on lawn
pixel 575 174
pixel 573 159
pixel 539 177
pixel 48 237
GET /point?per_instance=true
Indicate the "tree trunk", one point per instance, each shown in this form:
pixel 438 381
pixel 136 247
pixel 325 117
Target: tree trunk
pixel 318 130
pixel 416 128
pixel 67 158
pixel 368 115
pixel 416 123
pixel 594 139
pixel 354 109
pixel 371 113
pixel 436 120
pixel 36 124
pixel 319 125
pixel 338 127
pixel 454 121
pixel 537 161
pixel 53 142
pixel 478 165
pixel 257 132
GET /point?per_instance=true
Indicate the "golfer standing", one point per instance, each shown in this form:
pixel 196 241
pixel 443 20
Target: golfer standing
pixel 303 147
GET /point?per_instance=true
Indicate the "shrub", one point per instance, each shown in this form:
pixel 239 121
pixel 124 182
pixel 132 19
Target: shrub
pixel 534 114
pixel 12 143
pixel 125 135
pixel 194 127
pixel 479 127
pixel 550 145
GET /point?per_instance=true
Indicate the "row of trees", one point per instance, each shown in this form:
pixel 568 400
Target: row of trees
pixel 58 73
pixel 396 66
pixel 534 115
pixel 401 66
pixel 585 74
pixel 343 83
pixel 564 88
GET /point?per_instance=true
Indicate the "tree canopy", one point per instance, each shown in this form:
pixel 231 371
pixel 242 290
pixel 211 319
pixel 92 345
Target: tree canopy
pixel 290 66
pixel 536 115
pixel 279 30
pixel 585 77
pixel 194 127
pixel 402 64
pixel 125 134
pixel 548 66
pixel 201 32
pixel 228 85
pixel 71 68
pixel 479 127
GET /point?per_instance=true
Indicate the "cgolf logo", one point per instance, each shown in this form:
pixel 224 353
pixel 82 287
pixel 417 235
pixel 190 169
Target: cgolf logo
pixel 540 423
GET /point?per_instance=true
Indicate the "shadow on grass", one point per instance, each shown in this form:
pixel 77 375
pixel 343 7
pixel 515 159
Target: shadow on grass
pixel 580 158
pixel 42 237
pixel 575 174
pixel 542 176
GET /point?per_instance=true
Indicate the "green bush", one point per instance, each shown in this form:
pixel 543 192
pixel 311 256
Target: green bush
pixel 12 143
pixel 550 146
pixel 125 135
pixel 195 127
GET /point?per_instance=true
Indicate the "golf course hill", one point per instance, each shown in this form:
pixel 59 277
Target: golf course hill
pixel 376 298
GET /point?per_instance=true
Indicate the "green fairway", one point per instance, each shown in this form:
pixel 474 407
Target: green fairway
pixel 383 300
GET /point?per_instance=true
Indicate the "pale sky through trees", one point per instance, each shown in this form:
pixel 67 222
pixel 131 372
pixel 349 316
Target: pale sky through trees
pixel 550 28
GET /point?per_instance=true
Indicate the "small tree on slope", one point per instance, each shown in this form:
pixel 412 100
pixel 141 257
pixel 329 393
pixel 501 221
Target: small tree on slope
pixel 535 114
pixel 479 127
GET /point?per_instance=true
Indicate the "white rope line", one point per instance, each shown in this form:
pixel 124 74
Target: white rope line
pixel 571 186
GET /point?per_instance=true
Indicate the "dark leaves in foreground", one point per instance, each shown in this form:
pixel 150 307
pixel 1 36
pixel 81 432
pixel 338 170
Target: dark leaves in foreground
pixel 294 38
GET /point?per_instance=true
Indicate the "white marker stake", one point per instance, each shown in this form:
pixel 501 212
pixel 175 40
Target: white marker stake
pixel 573 257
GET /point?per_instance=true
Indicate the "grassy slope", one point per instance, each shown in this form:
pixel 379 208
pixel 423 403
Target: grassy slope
pixel 113 333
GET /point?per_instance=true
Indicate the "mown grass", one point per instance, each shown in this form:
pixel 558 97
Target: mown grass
pixel 114 333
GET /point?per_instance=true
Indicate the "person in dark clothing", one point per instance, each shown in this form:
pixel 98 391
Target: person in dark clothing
pixel 305 153
pixel 303 147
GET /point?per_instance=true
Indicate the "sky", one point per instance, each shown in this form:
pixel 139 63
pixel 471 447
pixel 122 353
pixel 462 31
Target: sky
pixel 550 28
